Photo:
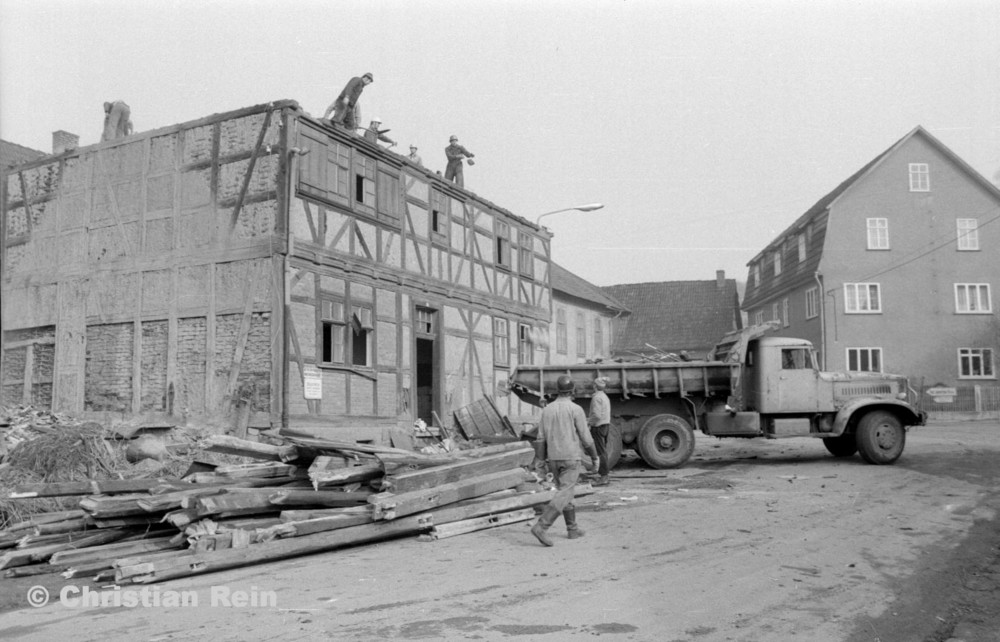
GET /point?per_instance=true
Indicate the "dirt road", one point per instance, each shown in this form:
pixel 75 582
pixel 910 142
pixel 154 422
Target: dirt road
pixel 751 541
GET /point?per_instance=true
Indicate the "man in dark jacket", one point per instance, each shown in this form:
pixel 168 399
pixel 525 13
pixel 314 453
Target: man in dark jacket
pixel 562 437
pixel 343 107
pixel 455 153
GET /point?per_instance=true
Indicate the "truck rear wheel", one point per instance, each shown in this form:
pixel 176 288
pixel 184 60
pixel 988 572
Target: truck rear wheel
pixel 880 437
pixel 843 446
pixel 665 441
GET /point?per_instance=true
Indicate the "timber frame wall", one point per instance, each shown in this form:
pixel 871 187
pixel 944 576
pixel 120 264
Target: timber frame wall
pixel 259 257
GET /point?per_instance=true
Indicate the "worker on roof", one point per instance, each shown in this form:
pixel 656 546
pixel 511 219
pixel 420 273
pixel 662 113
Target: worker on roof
pixel 343 108
pixel 117 120
pixel 414 157
pixel 374 134
pixel 455 153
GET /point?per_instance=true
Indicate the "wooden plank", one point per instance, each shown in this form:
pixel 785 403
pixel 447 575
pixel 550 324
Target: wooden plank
pixel 110 552
pixel 270 469
pixel 462 469
pixel 170 501
pixel 391 506
pixel 233 504
pixel 442 531
pixel 280 549
pixel 329 498
pixel 25 556
pixel 301 515
pixel 65 526
pixel 230 445
pixel 60 489
pixel 107 507
pixel 45 518
pixel 347 475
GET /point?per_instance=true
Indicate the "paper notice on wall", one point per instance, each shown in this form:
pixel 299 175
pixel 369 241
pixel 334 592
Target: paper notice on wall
pixel 312 382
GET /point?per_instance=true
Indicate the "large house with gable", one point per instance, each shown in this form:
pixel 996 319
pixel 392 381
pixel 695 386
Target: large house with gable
pixel 892 271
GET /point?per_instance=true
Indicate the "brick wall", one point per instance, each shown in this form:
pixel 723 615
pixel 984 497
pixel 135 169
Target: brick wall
pixel 108 381
pixel 154 365
pixel 42 362
pixel 192 336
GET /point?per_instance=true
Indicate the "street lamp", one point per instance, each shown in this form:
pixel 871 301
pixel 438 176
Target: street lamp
pixel 590 207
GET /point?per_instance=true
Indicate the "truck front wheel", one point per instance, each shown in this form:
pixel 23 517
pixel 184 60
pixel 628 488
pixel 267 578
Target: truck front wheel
pixel 665 441
pixel 880 437
pixel 843 446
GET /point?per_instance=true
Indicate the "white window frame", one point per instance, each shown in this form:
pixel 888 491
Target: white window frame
pixel 755 270
pixel 968 234
pixel 802 248
pixel 976 363
pixel 784 312
pixel 561 334
pixel 966 303
pixel 758 317
pixel 812 303
pixel 775 312
pixel 863 354
pixel 501 341
pixel 920 177
pixel 878 233
pixel 777 263
pixel 598 337
pixel 869 303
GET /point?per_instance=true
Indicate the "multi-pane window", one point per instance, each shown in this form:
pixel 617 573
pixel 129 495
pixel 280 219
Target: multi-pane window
pixel 561 340
pixel 920 177
pixel 526 254
pixel 361 335
pixel 802 247
pixel 424 323
pixel 775 312
pixel 598 337
pixel 501 342
pixel 777 263
pixel 973 298
pixel 755 274
pixel 968 234
pixel 864 359
pixel 758 317
pixel 878 234
pixel 784 312
pixel 389 197
pixel 342 336
pixel 812 303
pixel 862 298
pixel 975 363
pixel 502 231
pixel 581 335
pixel 325 171
pixel 525 346
pixel 333 330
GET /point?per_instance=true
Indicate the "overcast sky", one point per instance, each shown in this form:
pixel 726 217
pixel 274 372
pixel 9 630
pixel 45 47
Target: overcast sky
pixel 705 128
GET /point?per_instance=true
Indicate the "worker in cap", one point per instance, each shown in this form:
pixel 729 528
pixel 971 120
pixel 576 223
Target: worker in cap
pixel 599 420
pixel 562 436
pixel 344 106
pixel 374 134
pixel 455 154
pixel 414 157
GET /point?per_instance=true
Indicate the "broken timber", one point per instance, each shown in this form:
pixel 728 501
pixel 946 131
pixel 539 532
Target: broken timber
pixel 457 470
pixel 391 506
pixel 234 446
pixel 451 529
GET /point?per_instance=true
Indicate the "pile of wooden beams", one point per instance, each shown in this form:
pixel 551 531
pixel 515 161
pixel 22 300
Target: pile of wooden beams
pixel 304 496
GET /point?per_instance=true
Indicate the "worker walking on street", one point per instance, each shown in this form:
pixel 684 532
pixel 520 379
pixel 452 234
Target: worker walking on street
pixel 343 108
pixel 562 435
pixel 455 154
pixel 599 420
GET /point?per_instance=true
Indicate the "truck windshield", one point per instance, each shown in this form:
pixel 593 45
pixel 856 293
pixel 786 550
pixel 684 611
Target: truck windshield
pixel 795 359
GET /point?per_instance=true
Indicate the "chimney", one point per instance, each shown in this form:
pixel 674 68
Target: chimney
pixel 63 141
pixel 720 278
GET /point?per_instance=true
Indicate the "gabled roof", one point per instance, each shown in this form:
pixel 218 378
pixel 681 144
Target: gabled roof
pixel 757 293
pixel 12 154
pixel 675 315
pixel 569 284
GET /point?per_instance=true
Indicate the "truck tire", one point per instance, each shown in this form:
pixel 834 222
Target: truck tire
pixel 843 446
pixel 614 446
pixel 665 441
pixel 880 437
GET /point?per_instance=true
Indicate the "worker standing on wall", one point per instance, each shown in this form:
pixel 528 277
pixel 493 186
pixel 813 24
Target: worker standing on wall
pixel 343 108
pixel 455 154
pixel 562 433
pixel 117 120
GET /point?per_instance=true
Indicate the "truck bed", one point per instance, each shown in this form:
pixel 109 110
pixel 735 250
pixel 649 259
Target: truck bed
pixel 627 379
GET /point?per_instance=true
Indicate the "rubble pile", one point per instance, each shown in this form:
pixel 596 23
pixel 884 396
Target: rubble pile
pixel 297 496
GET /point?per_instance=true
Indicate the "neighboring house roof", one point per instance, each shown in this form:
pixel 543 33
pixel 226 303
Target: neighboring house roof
pixel 675 315
pixel 12 154
pixel 758 293
pixel 565 282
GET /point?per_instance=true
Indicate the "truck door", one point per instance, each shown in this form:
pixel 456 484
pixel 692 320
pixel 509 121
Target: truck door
pixel 793 384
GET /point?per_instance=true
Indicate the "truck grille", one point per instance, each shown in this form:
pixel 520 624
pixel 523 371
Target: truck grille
pixel 865 390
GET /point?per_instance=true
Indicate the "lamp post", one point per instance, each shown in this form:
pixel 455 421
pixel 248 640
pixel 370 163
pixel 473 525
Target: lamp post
pixel 590 207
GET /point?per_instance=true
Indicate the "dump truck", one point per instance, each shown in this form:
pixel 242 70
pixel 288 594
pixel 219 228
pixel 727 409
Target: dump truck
pixel 749 385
